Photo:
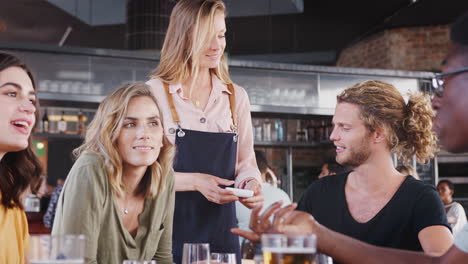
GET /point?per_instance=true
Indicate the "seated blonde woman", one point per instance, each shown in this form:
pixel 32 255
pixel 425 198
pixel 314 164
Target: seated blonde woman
pixel 120 191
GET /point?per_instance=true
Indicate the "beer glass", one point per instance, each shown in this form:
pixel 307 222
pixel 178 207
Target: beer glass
pixel 223 258
pixel 289 249
pixel 196 253
pixel 61 249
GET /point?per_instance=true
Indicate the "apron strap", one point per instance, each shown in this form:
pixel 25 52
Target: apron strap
pixel 232 103
pixel 175 116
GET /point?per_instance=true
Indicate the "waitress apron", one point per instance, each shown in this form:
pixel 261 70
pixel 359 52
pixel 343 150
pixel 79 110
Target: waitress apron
pixel 197 220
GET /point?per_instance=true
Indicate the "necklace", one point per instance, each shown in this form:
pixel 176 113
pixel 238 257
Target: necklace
pixel 197 103
pixel 125 211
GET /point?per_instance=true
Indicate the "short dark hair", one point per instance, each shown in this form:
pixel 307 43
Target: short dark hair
pixel 262 162
pixel 449 184
pixel 22 169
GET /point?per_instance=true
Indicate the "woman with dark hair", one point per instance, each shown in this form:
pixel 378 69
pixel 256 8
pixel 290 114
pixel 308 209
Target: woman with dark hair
pixel 19 167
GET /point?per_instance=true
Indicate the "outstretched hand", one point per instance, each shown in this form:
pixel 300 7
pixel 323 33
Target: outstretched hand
pixel 285 220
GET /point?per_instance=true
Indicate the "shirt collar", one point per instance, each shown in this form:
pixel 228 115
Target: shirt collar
pixel 218 86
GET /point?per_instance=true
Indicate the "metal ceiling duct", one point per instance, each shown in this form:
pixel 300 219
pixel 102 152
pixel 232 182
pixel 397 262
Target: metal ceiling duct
pixel 110 12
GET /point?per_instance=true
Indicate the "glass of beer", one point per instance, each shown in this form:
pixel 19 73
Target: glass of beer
pixel 289 249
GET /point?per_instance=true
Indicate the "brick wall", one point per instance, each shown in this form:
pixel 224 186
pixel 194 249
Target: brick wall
pixel 412 49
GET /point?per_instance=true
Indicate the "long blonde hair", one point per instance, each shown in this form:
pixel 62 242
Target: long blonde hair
pixel 190 26
pixel 102 134
pixel 408 126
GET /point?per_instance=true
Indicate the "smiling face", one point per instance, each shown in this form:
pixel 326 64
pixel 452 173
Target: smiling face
pixel 17 97
pixel 140 138
pixel 350 136
pixel 451 121
pixel 213 49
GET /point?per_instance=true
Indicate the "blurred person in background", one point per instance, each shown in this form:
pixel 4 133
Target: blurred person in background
pixel 20 169
pixel 271 193
pixel 49 215
pixel 207 118
pixel 120 191
pixel 456 215
pixel 331 167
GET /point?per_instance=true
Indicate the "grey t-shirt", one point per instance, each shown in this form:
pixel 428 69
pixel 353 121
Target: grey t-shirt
pixel 461 239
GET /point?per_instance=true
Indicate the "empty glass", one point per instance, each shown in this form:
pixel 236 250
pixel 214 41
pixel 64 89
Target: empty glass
pixel 223 258
pixel 198 253
pixel 66 249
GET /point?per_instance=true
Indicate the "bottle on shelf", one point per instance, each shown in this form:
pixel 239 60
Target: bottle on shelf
pixel 301 134
pixel 311 131
pixel 257 130
pixel 279 130
pixel 81 123
pixel 62 124
pixel 44 123
pixel 266 130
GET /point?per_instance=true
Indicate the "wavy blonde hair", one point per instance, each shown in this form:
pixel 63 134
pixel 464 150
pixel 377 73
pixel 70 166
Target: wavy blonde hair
pixel 190 27
pixel 408 126
pixel 103 132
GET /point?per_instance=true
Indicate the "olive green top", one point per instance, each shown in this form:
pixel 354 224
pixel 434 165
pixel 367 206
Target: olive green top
pixel 87 205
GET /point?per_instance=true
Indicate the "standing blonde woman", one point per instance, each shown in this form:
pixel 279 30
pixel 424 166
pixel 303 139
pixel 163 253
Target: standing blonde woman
pixel 120 191
pixel 208 118
pixel 19 167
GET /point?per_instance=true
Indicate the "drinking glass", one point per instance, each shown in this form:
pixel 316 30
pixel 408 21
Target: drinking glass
pixel 56 249
pixel 323 259
pixel 139 262
pixel 289 249
pixel 223 258
pixel 196 253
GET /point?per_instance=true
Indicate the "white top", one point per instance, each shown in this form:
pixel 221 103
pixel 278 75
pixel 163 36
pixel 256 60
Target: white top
pixel 461 239
pixel 456 213
pixel 271 195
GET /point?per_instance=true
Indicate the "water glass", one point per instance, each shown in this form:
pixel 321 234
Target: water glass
pixel 289 249
pixel 198 253
pixel 323 259
pixel 223 258
pixel 56 249
pixel 139 262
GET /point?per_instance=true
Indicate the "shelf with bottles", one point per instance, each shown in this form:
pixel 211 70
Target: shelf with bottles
pixel 63 122
pixel 309 131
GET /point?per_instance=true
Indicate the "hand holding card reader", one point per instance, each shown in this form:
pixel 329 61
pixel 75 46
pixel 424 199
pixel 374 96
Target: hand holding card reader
pixel 241 192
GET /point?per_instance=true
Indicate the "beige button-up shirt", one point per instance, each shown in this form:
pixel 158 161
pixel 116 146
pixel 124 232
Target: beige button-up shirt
pixel 215 118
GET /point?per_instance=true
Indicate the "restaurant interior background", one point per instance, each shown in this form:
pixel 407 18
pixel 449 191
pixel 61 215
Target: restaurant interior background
pixel 292 57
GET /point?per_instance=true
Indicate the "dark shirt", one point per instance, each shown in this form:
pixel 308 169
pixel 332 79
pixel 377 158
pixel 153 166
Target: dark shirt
pixel 413 207
pixel 50 213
